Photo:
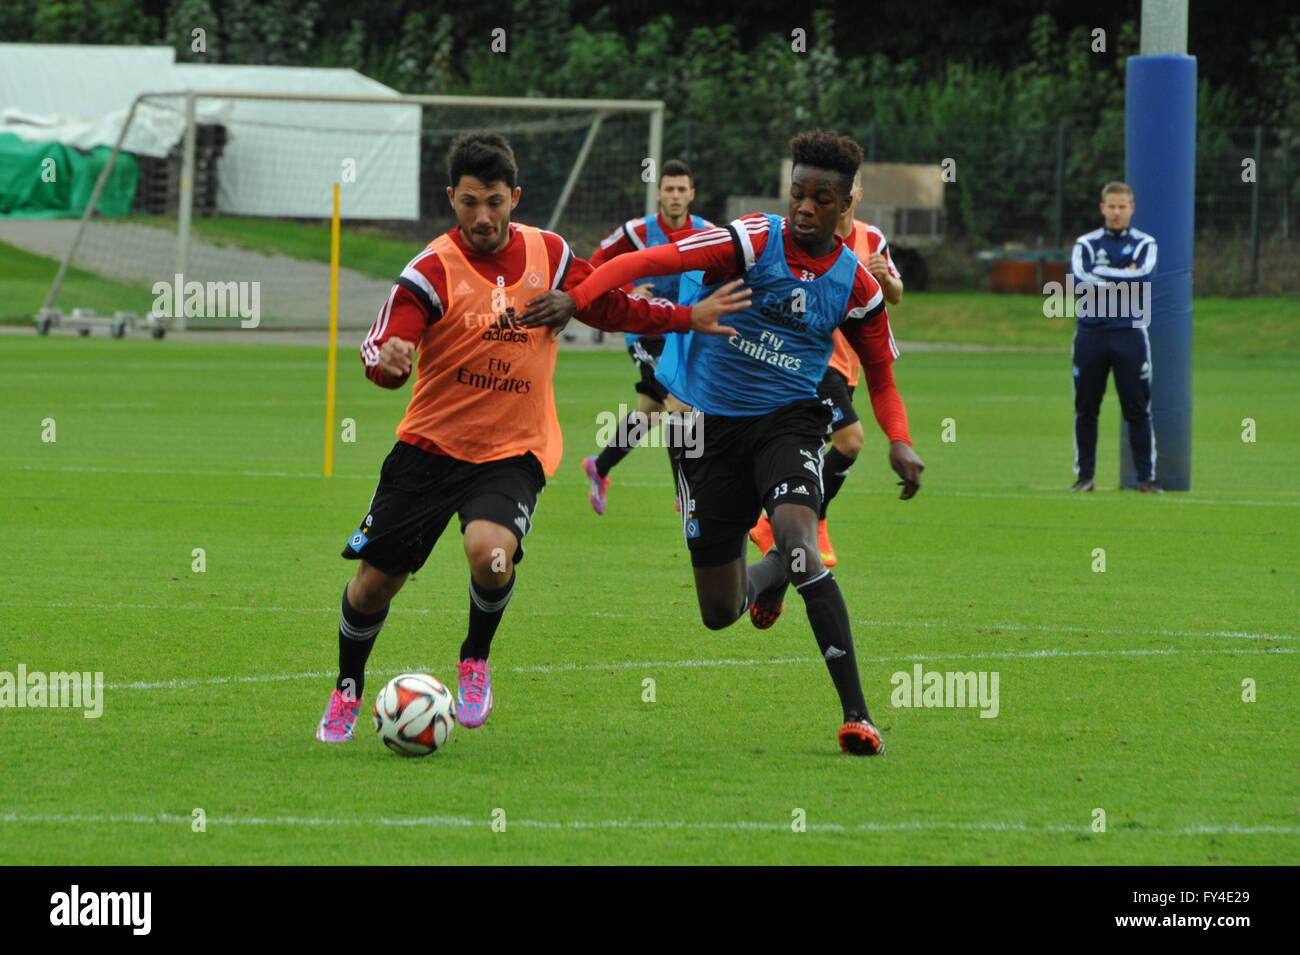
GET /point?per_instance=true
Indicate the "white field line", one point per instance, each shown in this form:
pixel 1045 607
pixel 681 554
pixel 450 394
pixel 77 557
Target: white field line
pixel 199 472
pixel 910 658
pixel 1015 627
pixel 1045 493
pixel 452 611
pixel 693 664
pixel 890 624
pixel 209 401
pixel 461 822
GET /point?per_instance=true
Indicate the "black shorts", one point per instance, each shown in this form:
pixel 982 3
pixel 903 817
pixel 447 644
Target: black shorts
pixel 419 491
pixel 747 464
pixel 837 388
pixel 645 351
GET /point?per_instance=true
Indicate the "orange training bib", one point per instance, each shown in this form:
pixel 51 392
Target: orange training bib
pixel 484 388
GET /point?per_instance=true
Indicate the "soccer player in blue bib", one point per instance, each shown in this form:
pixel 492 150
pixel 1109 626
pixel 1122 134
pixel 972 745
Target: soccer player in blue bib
pixel 758 425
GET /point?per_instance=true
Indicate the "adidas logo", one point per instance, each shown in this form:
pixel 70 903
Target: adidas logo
pixel 463 288
pixel 800 490
pixel 811 466
pixel 522 524
pixel 833 653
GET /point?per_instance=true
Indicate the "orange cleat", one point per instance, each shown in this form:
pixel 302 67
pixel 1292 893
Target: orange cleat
pixel 824 544
pixel 861 738
pixel 761 534
pixel 763 613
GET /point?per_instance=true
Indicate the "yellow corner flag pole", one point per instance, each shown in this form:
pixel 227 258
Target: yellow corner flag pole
pixel 334 336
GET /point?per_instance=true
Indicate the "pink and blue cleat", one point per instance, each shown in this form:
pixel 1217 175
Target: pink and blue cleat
pixel 598 485
pixel 474 695
pixel 339 720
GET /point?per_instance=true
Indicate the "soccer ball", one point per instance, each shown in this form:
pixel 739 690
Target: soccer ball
pixel 414 714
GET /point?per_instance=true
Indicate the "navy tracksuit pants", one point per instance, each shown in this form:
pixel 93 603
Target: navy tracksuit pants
pixel 1096 352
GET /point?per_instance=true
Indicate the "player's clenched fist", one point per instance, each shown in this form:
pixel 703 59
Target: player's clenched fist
pixel 878 266
pixel 395 357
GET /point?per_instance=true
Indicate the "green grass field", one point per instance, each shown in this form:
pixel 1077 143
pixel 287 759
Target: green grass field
pixel 1119 690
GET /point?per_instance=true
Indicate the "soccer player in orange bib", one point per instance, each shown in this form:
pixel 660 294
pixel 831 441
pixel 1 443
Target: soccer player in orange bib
pixel 842 374
pixel 480 434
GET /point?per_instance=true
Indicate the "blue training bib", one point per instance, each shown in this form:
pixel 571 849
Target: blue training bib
pixel 783 339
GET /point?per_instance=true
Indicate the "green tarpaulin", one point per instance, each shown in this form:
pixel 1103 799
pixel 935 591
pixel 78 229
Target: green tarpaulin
pixel 51 180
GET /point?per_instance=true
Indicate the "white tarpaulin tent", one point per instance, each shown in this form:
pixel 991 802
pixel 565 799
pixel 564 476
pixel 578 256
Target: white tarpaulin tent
pixel 154 130
pixel 80 81
pixel 281 157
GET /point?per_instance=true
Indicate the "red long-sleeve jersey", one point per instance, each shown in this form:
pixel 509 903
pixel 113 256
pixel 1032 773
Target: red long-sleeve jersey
pixel 417 297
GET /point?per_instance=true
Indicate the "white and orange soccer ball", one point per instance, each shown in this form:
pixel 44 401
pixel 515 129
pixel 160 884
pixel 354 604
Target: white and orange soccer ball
pixel 414 714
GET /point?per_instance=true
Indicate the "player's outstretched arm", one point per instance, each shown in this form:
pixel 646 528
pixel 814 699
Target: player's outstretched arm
pixel 594 295
pixel 618 311
pixel 585 286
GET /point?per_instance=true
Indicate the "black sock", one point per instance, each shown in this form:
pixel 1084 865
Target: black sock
pixel 357 633
pixel 767 574
pixel 830 624
pixel 485 610
pixel 835 468
pixel 630 431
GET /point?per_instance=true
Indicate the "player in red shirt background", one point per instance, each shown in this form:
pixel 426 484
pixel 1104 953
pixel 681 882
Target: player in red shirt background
pixel 674 221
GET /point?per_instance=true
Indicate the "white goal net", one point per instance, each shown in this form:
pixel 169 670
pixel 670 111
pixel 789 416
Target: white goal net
pixel 222 201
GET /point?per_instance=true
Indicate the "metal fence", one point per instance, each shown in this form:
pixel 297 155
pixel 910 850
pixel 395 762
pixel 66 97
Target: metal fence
pixel 1036 185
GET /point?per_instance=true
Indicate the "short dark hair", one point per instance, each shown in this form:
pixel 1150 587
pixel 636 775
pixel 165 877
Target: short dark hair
pixel 484 155
pixel 675 167
pixel 827 149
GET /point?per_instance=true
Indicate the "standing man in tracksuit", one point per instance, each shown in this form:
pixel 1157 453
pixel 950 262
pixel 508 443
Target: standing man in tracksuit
pixel 1112 269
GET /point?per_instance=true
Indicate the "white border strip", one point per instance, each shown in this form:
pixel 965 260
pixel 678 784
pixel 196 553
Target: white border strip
pixel 460 822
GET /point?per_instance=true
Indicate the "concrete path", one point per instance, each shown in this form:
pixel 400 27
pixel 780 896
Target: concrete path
pixel 290 290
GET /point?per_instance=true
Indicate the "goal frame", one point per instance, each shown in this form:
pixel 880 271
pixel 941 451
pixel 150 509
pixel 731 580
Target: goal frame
pixel 600 108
